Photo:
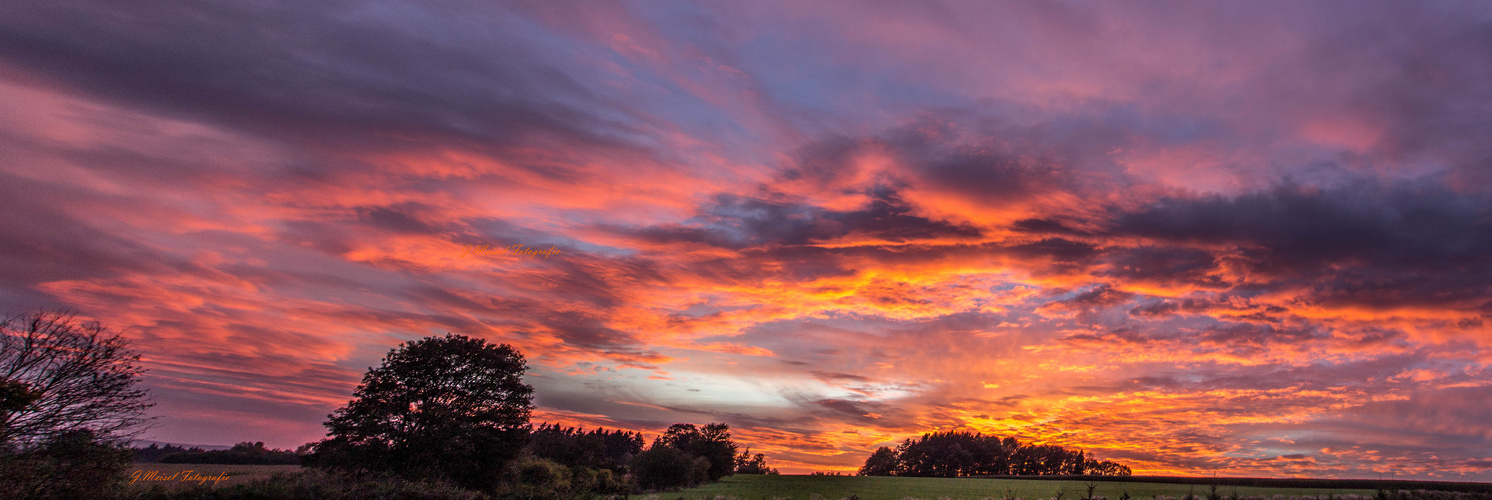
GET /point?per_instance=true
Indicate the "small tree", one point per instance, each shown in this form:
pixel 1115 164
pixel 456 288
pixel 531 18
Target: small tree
pixel 452 407
pixel 748 464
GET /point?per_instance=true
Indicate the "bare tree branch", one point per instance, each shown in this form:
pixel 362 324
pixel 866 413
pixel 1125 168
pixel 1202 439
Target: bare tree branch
pixel 62 375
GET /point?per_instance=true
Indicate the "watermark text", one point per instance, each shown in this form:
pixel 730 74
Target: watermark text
pixel 181 475
pixel 512 249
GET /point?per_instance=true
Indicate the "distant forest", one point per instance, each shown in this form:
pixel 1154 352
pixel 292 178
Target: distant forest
pixel 241 454
pixel 958 454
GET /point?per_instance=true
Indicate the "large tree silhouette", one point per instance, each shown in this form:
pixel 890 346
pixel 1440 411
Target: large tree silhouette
pixel 448 407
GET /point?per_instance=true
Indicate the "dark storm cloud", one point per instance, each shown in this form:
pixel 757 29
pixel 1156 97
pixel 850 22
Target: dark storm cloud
pixel 1361 243
pixel 1044 226
pixel 950 151
pixel 1155 309
pixel 1164 265
pixel 403 218
pixel 979 170
pixel 1253 339
pixel 1057 249
pixel 342 72
pixel 741 222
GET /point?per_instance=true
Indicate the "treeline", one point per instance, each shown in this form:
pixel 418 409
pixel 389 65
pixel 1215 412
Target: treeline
pixel 957 454
pixel 240 454
pixel 563 461
pixel 441 418
pixel 403 422
pixel 556 461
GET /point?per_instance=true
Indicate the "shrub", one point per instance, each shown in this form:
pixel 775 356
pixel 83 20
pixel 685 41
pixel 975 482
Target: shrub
pixel 311 485
pixel 595 449
pixel 664 467
pixel 601 481
pixel 534 478
pixel 71 465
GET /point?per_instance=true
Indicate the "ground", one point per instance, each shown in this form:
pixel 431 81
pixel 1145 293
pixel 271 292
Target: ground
pixel 897 488
pixel 179 475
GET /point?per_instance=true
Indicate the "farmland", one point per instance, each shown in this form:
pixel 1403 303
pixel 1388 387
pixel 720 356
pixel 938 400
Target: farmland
pixel 173 476
pixel 898 488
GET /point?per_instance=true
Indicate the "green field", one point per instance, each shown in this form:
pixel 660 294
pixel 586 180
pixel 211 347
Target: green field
pixel 755 487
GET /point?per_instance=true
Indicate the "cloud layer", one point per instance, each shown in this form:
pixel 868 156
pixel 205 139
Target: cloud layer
pixel 1251 239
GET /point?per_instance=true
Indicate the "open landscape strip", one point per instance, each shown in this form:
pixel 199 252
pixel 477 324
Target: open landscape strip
pixel 1346 484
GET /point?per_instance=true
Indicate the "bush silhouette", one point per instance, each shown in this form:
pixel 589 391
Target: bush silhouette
pixel 712 442
pixel 664 467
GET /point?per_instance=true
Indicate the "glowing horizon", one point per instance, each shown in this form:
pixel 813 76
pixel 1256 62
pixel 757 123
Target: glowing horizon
pixel 1245 239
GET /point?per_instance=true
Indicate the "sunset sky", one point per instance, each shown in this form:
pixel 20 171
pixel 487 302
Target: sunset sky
pixel 1242 238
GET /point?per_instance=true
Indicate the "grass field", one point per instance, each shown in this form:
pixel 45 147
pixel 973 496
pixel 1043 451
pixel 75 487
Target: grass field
pixel 177 475
pixel 754 487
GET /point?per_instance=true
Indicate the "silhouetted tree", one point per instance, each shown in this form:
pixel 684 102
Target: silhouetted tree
pixel 662 467
pixel 748 464
pixel 955 454
pixel 245 453
pixel 59 376
pixel 155 452
pixel 596 449
pixel 441 407
pixel 711 442
pixel 1106 468
pixel 881 463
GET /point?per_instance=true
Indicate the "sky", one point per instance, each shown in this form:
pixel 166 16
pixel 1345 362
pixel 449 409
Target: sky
pixel 1235 238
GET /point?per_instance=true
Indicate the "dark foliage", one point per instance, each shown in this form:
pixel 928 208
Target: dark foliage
pixel 15 396
pixel 533 478
pixel 955 454
pixel 73 465
pixel 667 467
pixel 881 463
pixel 711 442
pixel 448 407
pixel 240 454
pixel 311 485
pixel 58 376
pixel 748 464
pixel 573 447
pixel 154 453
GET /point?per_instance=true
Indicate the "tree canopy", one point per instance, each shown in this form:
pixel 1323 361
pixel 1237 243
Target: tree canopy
pixel 711 442
pixel 450 407
pixel 955 454
pixel 596 449
pixel 746 463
